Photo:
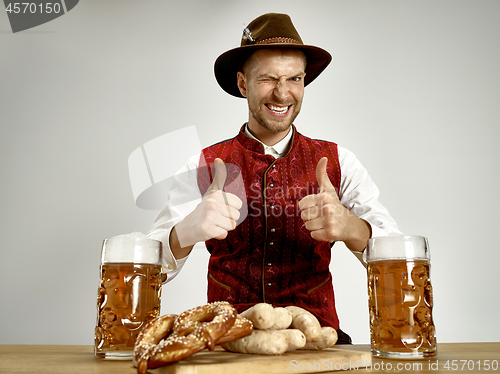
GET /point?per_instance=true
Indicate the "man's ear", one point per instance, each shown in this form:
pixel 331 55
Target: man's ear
pixel 242 83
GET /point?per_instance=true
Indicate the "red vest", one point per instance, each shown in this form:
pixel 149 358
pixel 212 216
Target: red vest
pixel 270 256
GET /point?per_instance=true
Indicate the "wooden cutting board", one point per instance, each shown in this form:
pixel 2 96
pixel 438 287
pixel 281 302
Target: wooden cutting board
pixel 221 362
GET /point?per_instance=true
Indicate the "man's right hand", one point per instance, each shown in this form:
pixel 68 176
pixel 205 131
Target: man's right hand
pixel 214 216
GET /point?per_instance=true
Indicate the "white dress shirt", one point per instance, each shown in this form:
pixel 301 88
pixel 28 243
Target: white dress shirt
pixel 357 193
pixel 277 150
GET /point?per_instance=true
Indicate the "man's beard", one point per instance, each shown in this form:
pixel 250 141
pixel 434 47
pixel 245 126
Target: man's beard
pixel 275 125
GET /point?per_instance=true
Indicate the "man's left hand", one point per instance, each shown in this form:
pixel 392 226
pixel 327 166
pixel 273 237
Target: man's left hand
pixel 327 219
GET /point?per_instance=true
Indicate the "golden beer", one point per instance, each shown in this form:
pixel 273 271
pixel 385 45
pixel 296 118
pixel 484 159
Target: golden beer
pixel 128 296
pixel 400 298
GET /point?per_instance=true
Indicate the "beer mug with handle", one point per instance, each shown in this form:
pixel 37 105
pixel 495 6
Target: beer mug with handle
pixel 400 297
pixel 129 293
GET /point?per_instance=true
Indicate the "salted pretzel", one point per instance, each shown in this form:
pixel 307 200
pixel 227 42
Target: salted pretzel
pixel 241 328
pixel 171 338
pixel 221 315
pixel 152 333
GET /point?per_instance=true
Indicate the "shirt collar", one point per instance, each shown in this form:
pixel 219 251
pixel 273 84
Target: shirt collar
pixel 277 150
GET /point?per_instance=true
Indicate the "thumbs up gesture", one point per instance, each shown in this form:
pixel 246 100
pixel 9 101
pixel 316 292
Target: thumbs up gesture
pixel 327 219
pixel 214 216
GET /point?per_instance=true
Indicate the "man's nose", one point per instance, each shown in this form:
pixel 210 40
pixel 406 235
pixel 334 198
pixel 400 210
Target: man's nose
pixel 281 89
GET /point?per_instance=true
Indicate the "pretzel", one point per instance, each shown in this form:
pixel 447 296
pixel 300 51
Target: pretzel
pixel 152 333
pixel 175 348
pixel 221 315
pixel 171 338
pixel 241 328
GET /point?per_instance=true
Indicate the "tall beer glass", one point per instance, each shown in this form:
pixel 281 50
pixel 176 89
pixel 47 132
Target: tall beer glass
pixel 129 293
pixel 400 297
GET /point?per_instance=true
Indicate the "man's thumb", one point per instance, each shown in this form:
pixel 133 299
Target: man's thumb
pixel 323 180
pixel 220 175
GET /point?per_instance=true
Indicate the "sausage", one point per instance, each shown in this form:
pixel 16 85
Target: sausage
pixel 327 339
pixel 262 315
pixel 282 319
pixel 306 322
pixel 296 339
pixel 271 342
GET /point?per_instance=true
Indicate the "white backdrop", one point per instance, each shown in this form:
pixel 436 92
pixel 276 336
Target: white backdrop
pixel 413 90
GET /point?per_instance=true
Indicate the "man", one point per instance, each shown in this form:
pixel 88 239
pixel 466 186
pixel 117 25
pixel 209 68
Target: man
pixel 270 221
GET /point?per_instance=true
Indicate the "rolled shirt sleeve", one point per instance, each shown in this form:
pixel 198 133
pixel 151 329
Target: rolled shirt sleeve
pixel 182 198
pixel 360 195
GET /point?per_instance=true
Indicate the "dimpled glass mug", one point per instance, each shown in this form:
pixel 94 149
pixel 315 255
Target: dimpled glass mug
pixel 128 295
pixel 400 297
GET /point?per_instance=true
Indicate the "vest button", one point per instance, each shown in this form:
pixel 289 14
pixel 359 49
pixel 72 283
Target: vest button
pixel 272 207
pixel 271 185
pixel 273 230
pixel 269 264
pixel 269 284
pixel 271 243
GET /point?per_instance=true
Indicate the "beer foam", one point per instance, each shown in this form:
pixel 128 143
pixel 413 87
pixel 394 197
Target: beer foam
pixel 397 247
pixel 134 247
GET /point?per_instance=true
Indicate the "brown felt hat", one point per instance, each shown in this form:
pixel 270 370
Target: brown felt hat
pixel 271 30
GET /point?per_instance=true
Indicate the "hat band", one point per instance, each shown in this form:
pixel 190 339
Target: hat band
pixel 279 39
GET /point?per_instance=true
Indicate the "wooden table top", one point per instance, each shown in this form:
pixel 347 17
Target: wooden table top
pixel 76 359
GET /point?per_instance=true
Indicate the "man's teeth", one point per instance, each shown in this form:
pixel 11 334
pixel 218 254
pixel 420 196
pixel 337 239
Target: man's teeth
pixel 278 109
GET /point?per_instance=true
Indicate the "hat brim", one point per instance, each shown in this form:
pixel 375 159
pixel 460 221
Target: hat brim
pixel 229 63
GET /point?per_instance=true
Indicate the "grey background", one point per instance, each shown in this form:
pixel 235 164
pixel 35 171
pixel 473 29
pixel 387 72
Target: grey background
pixel 413 90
